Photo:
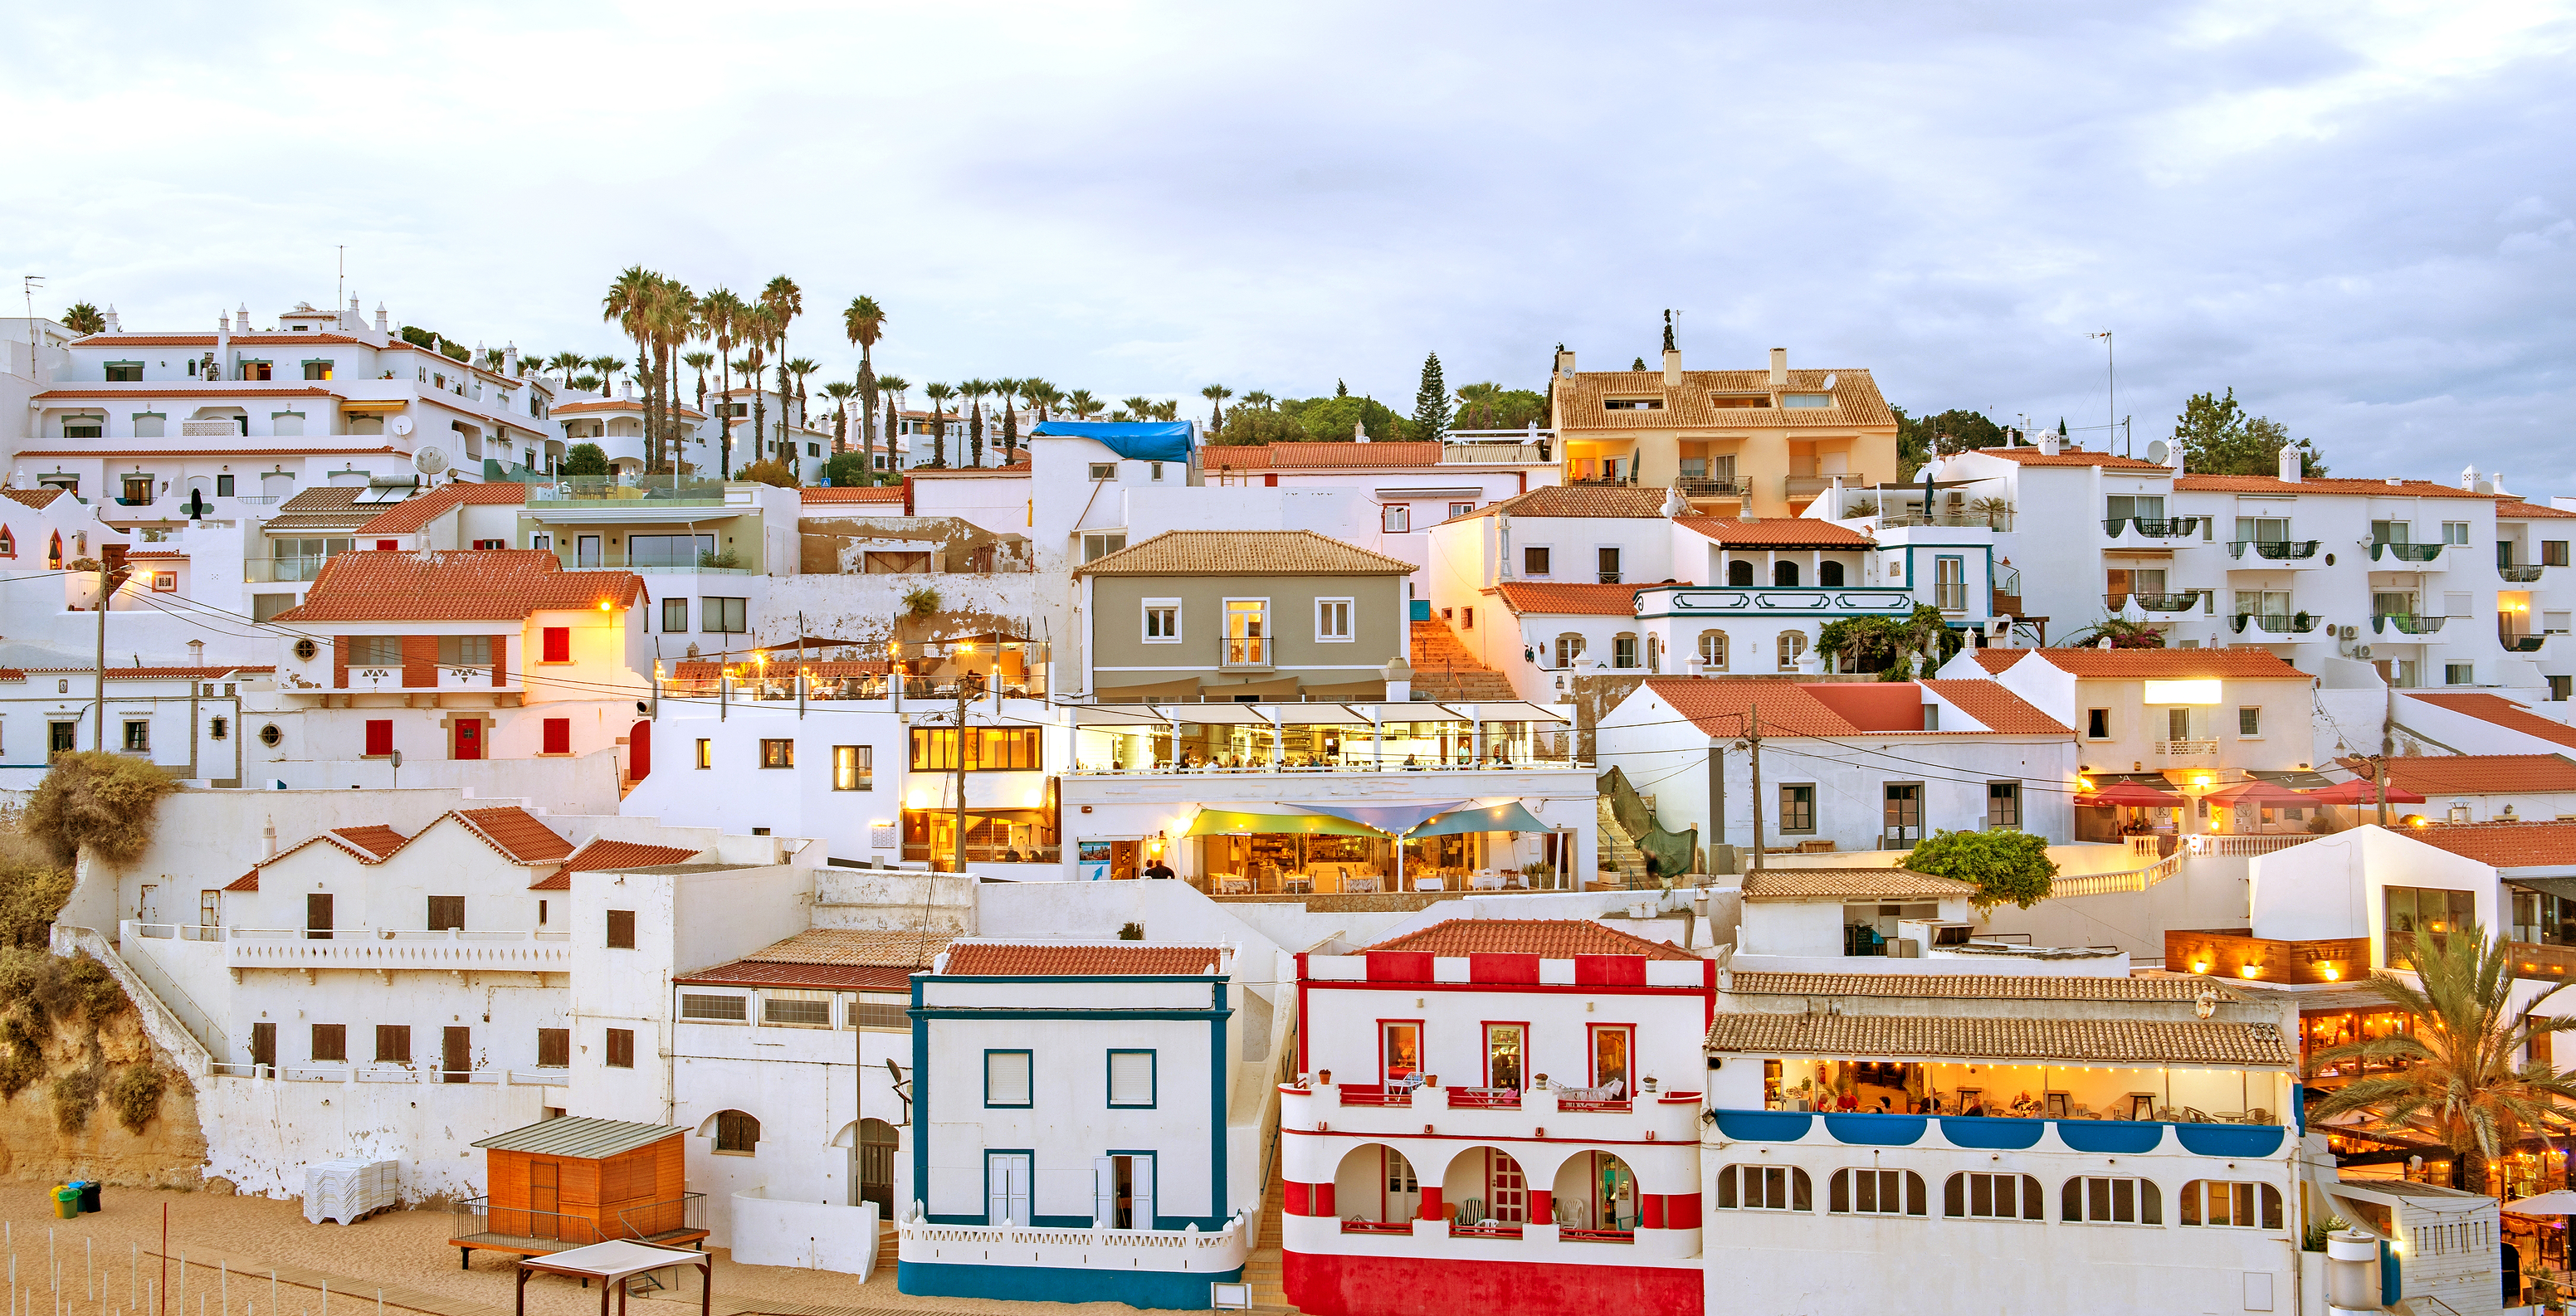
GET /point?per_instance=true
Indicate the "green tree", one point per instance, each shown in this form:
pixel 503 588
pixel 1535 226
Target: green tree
pixel 847 470
pixel 1490 406
pixel 2455 1068
pixel 1431 403
pixel 101 802
pixel 1083 405
pixel 1861 644
pixel 1340 389
pixel 2218 437
pixel 864 321
pixel 84 318
pixel 585 459
pixel 840 391
pixel 1638 365
pixel 1009 391
pixel 893 388
pixel 1249 425
pixel 784 301
pixel 975 391
pixel 1329 420
pixel 2005 867
pixel 938 395
pixel 771 471
pixel 720 318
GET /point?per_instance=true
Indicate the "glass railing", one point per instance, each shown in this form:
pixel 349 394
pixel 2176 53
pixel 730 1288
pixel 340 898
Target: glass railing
pixel 614 488
pixel 267 570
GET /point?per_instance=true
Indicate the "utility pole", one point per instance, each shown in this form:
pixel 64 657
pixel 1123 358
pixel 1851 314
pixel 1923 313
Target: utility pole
pixel 1753 742
pixel 2111 367
pixel 964 649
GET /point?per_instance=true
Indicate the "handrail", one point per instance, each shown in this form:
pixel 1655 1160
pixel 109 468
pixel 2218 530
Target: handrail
pixel 2406 623
pixel 2407 552
pixel 2103 884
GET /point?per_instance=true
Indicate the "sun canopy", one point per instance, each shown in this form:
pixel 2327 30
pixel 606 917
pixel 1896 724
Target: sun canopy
pixel 2260 795
pixel 1144 441
pixel 1392 818
pixel 1507 817
pixel 2359 791
pixel 2557 1201
pixel 1214 821
pixel 2132 795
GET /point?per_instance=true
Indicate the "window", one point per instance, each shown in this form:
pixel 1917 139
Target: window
pixel 675 615
pixel 1457 510
pixel 317 370
pixel 706 755
pixel 1875 1192
pixel 1399 1050
pixel 1333 620
pixel 718 616
pixel 1712 650
pixel 1102 544
pixel 2113 1200
pixel 219 728
pixel 1623 650
pixel 1608 565
pixel 1568 648
pixel 138 737
pixel 375 651
pixel 1950 584
pixel 2459 673
pixel 778 753
pixel 2231 1205
pixel 1739 572
pixel 1154 470
pixel 1792 646
pixel 491 543
pixel 1104 470
pixel 669 550
pixel 64 737
pixel 1246 633
pixel 787 1008
pixel 2553 552
pixel 988 749
pixel 1978 1195
pixel 1131 1080
pixel 446 913
pixel 557 736
pixel 2276 529
pixel 2386 532
pixel 331 1043
pixel 125 372
pixel 1466 619
pixel 1829 573
pixel 223 486
pixel 2121 507
pixel 2249 722
pixel 2455 532
pixel 887 1010
pixel 465 655
pixel 393 1044
pixel 2003 805
pixel 703 1007
pixel 84 427
pixel 621 1048
pixel 1006 1078
pixel 557 642
pixel 737 1134
pixel 1534 560
pixel 621 929
pixel 1764 1188
pixel 854 767
pixel 1503 1051
pixel 1784 573
pixel 2097 724
pixel 2433 912
pixel 554 1048
pixel 1904 812
pixel 1162 621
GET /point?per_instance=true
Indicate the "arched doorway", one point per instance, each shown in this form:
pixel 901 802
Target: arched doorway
pixel 877 1142
pixel 1596 1191
pixel 1376 1184
pixel 1488 1187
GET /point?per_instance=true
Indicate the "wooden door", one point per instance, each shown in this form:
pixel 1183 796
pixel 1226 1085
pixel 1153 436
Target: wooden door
pixel 317 916
pixel 456 1057
pixel 545 1194
pixel 877 1142
pixel 263 1044
pixel 469 740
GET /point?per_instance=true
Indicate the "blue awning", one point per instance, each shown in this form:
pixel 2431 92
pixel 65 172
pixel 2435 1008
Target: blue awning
pixel 1143 441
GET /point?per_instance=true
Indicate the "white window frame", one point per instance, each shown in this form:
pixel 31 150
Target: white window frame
pixel 1324 631
pixel 1395 518
pixel 1268 639
pixel 1145 621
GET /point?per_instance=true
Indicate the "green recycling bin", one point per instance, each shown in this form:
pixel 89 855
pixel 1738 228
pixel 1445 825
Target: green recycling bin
pixel 66 1203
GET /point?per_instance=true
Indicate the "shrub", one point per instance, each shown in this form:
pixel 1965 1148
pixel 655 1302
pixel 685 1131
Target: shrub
pixel 1131 932
pixel 2004 866
pixel 585 459
pixel 75 1094
pixel 22 1055
pixel 920 601
pixel 771 471
pixel 32 891
pixel 136 1094
pixel 102 801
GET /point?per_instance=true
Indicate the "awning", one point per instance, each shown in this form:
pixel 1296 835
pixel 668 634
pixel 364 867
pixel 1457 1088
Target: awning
pixel 1506 817
pixel 2259 795
pixel 1229 715
pixel 1271 691
pixel 1213 821
pixel 2294 779
pixel 1516 711
pixel 1394 818
pixel 2562 887
pixel 2557 1201
pixel 1187 688
pixel 374 404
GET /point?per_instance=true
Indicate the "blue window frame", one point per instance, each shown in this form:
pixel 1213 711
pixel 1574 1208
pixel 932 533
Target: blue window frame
pixel 1007 1080
pixel 1132 1078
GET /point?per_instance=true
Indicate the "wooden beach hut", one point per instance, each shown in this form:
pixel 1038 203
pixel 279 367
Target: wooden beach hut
pixel 567 1183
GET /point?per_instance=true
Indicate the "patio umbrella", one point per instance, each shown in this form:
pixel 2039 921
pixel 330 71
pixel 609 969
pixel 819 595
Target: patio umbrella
pixel 1275 819
pixel 2260 795
pixel 2131 794
pixel 2557 1201
pixel 2359 791
pixel 1489 818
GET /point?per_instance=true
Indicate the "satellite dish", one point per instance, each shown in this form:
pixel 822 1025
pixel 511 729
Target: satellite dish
pixel 399 425
pixel 429 459
pixel 2158 451
pixel 1829 381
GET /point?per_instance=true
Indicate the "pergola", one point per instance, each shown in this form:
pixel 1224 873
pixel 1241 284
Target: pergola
pixel 612 1263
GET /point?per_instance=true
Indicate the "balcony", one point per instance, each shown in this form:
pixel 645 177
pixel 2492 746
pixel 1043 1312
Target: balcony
pixel 282 570
pixel 2148 527
pixel 1701 488
pixel 1612 481
pixel 1244 651
pixel 2274 623
pixel 2519 575
pixel 2404 623
pixel 1580 1113
pixel 387 949
pixel 704 564
pixel 2406 552
pixel 2243 1137
pixel 1804 486
pixel 2183 602
pixel 1963 520
pixel 2274 550
pixel 2522 643
pixel 2187 748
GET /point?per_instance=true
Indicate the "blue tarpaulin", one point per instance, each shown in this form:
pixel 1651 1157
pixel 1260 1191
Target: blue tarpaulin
pixel 1143 441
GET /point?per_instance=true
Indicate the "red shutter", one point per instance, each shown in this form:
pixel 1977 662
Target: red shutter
pixel 1399 966
pixel 339 662
pixel 380 736
pixel 558 645
pixel 1497 968
pixel 501 662
pixel 558 735
pixel 388 545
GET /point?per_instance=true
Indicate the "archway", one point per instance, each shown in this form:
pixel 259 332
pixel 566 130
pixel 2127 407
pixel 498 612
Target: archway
pixel 1595 1190
pixel 1485 1186
pixel 1376 1183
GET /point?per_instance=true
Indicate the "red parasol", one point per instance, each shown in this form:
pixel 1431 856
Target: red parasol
pixel 2260 795
pixel 2360 791
pixel 2130 794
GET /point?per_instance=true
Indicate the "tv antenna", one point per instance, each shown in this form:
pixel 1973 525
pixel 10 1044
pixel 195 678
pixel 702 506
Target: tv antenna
pixel 2111 368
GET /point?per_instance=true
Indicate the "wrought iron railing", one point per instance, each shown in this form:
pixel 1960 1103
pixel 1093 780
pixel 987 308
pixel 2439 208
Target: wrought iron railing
pixel 2523 575
pixel 476 1218
pixel 2183 602
pixel 2407 552
pixel 2274 623
pixel 2274 549
pixel 2405 623
pixel 2153 527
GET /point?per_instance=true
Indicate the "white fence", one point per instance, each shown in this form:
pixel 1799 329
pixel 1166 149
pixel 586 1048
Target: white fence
pixel 390 948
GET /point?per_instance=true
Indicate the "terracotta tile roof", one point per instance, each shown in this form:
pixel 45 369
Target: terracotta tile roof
pixel 2323 485
pixel 246 882
pixel 2502 844
pixel 2477 774
pixel 2173 987
pixel 1781 532
pixel 1244 553
pixel 602 855
pixel 984 959
pixel 708 669
pixel 36 498
pixel 2082 1041
pixel 1580 500
pixel 1999 709
pixel 514 832
pixel 881 493
pixel 1854 883
pixel 2235 664
pixel 1579 400
pixel 1326 456
pixel 2068 457
pixel 375 838
pixel 1722 706
pixel 877 946
pixel 2514 509
pixel 489 584
pixel 843 977
pixel 1525 597
pixel 2502 712
pixel 1547 938
pixel 412 513
pixel 1235 457
pixel 323 507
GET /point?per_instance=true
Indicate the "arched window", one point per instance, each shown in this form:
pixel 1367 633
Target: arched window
pixel 737 1134
pixel 54 553
pixel 1712 650
pixel 8 542
pixel 2100 1200
pixel 1875 1192
pixel 2230 1204
pixel 1569 647
pixel 1623 651
pixel 1764 1188
pixel 1977 1195
pixel 1784 573
pixel 1739 572
pixel 1829 573
pixel 1793 646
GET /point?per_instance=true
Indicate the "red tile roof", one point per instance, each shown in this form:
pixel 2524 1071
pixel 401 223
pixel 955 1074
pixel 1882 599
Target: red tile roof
pixel 846 977
pixel 1569 600
pixel 1235 457
pixel 1581 500
pixel 37 498
pixel 1547 938
pixel 2514 509
pixel 2501 712
pixel 2323 485
pixel 1326 456
pixel 1784 532
pixel 246 882
pixel 882 493
pixel 991 960
pixel 412 513
pixel 514 832
pixel 245 338
pixel 2068 457
pixel 375 838
pixel 600 856
pixel 2477 774
pixel 488 584
pixel 2159 664
pixel 1721 706
pixel 2503 844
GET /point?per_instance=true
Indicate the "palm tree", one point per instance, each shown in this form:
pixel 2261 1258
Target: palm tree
pixel 1011 391
pixel 627 304
pixel 938 395
pixel 607 366
pixel 784 301
pixel 974 391
pixel 720 320
pixel 1167 409
pixel 1083 405
pixel 1216 394
pixel 1138 406
pixel 1257 398
pixel 84 318
pixel 864 321
pixel 699 361
pixel 567 362
pixel 1041 395
pixel 893 388
pixel 2459 1078
pixel 800 367
pixel 673 317
pixel 839 391
pixel 758 328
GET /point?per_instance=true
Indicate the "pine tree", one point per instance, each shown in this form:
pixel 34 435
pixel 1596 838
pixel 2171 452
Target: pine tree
pixel 1340 389
pixel 1431 404
pixel 1639 365
pixel 2061 427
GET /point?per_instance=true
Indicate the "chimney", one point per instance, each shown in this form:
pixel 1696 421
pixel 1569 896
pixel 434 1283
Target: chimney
pixel 1672 367
pixel 222 364
pixel 1675 505
pixel 2468 476
pixel 353 318
pixel 2290 468
pixel 626 388
pixel 1779 367
pixel 1564 363
pixel 380 318
pixel 112 326
pixel 243 315
pixel 2495 479
pixel 1359 432
pixel 2048 443
pixel 510 360
pixel 268 838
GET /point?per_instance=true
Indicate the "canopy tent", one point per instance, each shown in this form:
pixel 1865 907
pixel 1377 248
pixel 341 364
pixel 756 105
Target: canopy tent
pixel 2360 791
pixel 1251 819
pixel 1393 819
pixel 613 1263
pixel 1143 441
pixel 2129 794
pixel 2260 795
pixel 1506 817
pixel 2557 1201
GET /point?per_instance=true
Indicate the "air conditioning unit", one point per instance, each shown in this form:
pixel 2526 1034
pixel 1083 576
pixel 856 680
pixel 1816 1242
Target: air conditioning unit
pixel 2361 651
pixel 2351 632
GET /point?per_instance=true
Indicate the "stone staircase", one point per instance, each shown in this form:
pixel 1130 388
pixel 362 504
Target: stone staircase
pixel 1262 1270
pixel 1615 850
pixel 1444 670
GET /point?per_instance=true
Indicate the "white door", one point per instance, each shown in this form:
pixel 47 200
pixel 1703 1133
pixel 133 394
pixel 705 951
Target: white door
pixel 1104 1192
pixel 1144 1193
pixel 1006 1189
pixel 151 908
pixel 586 551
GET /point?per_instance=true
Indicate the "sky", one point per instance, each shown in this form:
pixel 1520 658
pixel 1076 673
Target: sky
pixel 2356 216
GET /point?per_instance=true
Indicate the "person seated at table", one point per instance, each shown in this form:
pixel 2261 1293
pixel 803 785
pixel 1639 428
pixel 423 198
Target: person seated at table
pixel 1886 1107
pixel 1412 763
pixel 1158 869
pixel 1976 1107
pixel 1010 856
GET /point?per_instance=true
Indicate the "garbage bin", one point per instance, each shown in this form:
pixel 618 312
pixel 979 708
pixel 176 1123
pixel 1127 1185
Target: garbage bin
pixel 66 1202
pixel 89 1195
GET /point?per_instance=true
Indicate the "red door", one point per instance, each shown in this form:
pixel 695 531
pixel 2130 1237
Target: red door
pixel 639 752
pixel 469 740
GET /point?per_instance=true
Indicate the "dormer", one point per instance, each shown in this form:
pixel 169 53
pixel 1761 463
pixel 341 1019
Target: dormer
pixel 1632 404
pixel 1739 401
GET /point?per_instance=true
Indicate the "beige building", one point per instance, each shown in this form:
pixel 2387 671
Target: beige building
pixel 1249 614
pixel 1735 441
